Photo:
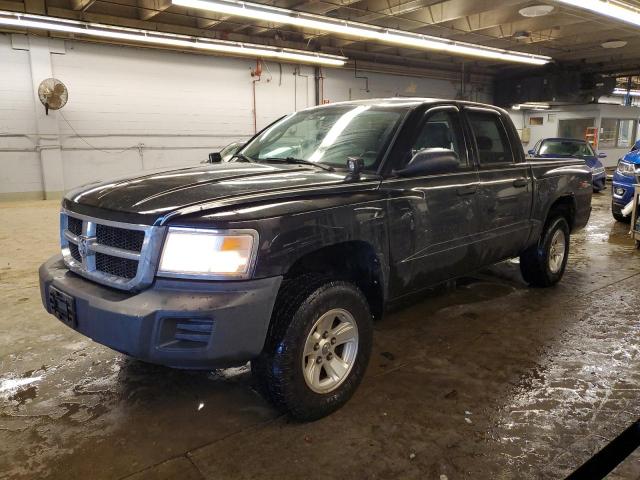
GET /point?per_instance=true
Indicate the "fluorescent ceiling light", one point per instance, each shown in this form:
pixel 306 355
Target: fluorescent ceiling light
pixel 267 13
pixel 158 38
pixel 531 106
pixel 614 44
pixel 536 11
pixel 619 11
pixel 623 91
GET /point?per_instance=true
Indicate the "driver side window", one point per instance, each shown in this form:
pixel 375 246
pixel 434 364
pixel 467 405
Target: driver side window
pixel 441 129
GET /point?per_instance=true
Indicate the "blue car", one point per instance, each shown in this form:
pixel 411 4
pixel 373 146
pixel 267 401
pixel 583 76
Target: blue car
pixel 573 148
pixel 626 176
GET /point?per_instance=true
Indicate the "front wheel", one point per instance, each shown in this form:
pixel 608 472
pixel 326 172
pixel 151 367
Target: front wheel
pixel 543 265
pixel 318 347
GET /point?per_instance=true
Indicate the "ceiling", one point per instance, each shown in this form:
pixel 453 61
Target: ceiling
pixel 571 36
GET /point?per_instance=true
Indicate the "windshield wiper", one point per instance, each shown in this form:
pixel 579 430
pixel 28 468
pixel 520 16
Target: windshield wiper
pixel 243 157
pixel 298 161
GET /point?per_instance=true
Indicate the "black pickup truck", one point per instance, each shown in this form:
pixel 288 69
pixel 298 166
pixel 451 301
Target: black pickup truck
pixel 286 254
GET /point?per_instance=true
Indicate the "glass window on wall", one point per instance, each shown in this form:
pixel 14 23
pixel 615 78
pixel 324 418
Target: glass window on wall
pixel 617 133
pixel 625 133
pixel 575 127
pixel 608 128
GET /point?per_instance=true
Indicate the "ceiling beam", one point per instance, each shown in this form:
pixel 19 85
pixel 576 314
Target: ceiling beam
pixel 595 53
pixel 433 18
pixel 35 6
pixel 147 9
pixel 316 7
pixel 12 6
pixel 410 15
pixel 539 30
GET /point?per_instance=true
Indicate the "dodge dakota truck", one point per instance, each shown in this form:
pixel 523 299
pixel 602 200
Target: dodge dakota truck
pixel 284 256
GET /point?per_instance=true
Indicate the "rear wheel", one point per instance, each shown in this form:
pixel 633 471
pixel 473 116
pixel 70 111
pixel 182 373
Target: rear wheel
pixel 318 347
pixel 543 265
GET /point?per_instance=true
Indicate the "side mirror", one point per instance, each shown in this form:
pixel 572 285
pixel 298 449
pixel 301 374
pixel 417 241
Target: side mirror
pixel 602 155
pixel 531 152
pixel 431 161
pixel 355 166
pixel 215 157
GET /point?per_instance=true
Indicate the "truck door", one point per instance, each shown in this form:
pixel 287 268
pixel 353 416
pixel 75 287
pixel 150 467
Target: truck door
pixel 432 217
pixel 505 193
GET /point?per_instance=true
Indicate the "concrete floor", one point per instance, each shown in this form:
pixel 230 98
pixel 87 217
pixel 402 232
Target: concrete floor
pixel 487 379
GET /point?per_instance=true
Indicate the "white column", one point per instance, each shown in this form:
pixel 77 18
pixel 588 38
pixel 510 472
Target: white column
pixel 46 125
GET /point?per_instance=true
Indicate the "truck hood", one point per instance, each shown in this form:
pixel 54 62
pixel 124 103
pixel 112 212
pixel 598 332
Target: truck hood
pixel 632 157
pixel 159 195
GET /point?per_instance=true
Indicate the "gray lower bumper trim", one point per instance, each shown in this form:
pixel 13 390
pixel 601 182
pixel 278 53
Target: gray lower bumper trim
pixel 179 323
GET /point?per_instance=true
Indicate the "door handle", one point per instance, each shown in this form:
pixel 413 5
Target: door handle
pixel 467 190
pixel 520 182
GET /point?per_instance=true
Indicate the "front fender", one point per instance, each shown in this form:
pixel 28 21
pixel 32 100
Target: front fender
pixel 295 236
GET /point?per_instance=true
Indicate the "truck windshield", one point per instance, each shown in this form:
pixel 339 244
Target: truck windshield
pixel 566 148
pixel 329 135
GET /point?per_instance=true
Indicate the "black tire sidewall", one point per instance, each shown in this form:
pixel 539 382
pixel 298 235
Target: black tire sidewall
pixel 300 400
pixel 553 226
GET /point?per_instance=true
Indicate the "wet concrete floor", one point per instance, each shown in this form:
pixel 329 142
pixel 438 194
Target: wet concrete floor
pixel 487 379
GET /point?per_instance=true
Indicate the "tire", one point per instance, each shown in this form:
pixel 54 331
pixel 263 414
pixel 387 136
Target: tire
pixel 539 265
pixel 282 368
pixel 617 214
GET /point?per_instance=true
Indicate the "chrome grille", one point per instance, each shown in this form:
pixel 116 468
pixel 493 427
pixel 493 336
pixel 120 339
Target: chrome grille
pixel 75 226
pixel 120 255
pixel 117 266
pixel 75 253
pixel 131 240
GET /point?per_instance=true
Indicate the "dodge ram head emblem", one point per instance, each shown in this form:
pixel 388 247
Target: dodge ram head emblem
pixel 82 246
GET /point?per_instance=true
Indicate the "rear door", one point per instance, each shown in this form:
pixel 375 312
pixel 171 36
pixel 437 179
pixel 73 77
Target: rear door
pixel 505 189
pixel 432 218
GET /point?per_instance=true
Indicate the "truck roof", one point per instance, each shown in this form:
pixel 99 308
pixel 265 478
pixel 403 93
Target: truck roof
pixel 564 139
pixel 410 102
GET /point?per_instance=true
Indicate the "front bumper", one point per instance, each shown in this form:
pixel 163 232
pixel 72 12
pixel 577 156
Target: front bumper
pixel 599 181
pixel 178 323
pixel 622 188
pixel 622 192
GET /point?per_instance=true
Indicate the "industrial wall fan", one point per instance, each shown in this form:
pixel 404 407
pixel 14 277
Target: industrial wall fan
pixel 53 94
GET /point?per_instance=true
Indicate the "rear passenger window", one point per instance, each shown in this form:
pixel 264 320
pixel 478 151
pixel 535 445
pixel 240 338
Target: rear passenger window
pixel 441 129
pixel 491 138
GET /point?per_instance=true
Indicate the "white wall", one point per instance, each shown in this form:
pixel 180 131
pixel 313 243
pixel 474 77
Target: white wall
pixel 132 110
pixel 20 169
pixel 168 109
pixel 342 85
pixel 552 117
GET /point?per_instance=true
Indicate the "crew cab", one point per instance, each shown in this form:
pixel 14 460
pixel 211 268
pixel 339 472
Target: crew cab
pixel 285 255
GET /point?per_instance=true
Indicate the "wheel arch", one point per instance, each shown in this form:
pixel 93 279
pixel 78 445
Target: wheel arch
pixel 356 261
pixel 565 206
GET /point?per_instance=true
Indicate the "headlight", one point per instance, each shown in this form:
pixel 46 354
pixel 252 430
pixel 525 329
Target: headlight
pixel 200 253
pixel 625 168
